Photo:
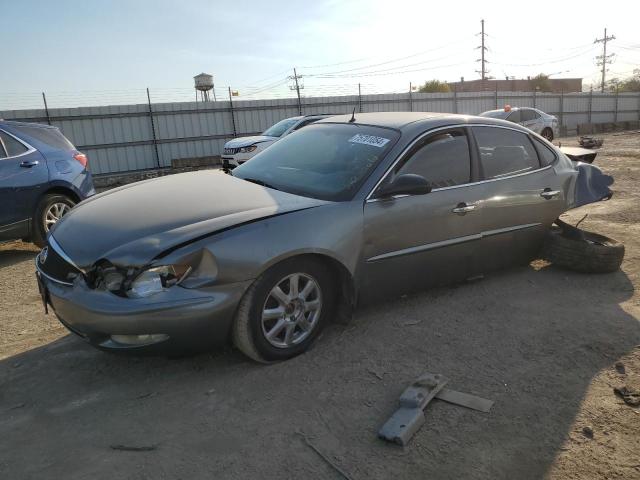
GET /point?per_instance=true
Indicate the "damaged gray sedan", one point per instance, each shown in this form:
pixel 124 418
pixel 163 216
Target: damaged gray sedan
pixel 350 209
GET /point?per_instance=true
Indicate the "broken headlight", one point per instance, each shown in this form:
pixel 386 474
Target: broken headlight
pixel 157 279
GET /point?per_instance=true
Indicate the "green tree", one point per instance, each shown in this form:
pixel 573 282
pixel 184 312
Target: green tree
pixel 434 86
pixel 631 84
pixel 541 83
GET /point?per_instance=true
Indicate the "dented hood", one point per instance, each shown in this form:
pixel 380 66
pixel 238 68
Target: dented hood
pixel 133 224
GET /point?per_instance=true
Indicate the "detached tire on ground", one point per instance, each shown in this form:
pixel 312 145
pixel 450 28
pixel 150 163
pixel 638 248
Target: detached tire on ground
pixel 582 251
pixel 284 310
pixel 50 209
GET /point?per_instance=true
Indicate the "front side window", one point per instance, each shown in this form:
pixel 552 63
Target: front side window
pixel 443 160
pixel 326 161
pixel 279 128
pixel 13 147
pixel 505 152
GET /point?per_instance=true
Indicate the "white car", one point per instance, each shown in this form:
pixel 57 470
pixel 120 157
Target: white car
pixel 532 118
pixel 239 150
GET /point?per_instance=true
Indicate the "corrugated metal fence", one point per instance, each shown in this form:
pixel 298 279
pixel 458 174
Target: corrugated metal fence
pixel 135 137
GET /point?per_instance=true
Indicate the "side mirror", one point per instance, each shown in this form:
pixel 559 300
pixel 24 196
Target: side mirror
pixel 405 184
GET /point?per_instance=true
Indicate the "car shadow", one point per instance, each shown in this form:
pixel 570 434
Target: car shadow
pixel 532 339
pixel 11 257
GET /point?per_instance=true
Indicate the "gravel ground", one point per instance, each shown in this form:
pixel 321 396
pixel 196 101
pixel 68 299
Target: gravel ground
pixel 542 342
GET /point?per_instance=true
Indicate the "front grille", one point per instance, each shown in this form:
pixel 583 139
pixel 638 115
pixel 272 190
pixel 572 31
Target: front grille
pixel 54 266
pixel 231 151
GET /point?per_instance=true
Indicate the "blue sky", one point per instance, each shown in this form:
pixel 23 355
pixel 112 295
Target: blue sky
pixel 109 51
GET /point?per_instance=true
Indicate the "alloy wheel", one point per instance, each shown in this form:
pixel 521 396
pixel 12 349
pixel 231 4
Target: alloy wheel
pixel 292 310
pixel 54 213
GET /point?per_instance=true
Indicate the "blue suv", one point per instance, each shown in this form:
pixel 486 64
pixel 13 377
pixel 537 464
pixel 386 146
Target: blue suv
pixel 42 176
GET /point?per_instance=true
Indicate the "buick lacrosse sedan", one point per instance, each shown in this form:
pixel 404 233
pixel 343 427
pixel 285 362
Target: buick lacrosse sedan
pixel 349 209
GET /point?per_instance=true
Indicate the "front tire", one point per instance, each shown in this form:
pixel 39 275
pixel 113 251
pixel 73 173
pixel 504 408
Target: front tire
pixel 51 208
pixel 548 134
pixel 284 310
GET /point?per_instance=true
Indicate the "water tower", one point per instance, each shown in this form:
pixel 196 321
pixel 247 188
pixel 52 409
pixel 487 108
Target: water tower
pixel 203 84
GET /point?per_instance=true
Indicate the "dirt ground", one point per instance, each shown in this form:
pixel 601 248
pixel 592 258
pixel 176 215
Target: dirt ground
pixel 542 342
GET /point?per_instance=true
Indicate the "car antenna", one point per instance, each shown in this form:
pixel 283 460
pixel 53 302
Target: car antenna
pixel 353 116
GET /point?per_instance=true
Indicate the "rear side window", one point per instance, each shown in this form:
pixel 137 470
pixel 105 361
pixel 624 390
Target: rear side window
pixel 50 136
pixel 505 152
pixel 547 156
pixel 12 146
pixel 515 117
pixel 305 123
pixel 527 115
pixel 443 160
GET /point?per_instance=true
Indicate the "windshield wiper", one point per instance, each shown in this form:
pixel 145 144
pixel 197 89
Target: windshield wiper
pixel 260 182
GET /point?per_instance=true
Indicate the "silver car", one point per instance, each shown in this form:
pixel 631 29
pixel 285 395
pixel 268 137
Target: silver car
pixel 350 209
pixel 241 149
pixel 532 118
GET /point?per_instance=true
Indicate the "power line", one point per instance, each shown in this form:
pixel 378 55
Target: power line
pixel 604 59
pixel 386 72
pixel 548 62
pixel 392 69
pixel 364 67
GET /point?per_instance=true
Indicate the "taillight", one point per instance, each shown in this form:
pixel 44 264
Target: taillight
pixel 82 158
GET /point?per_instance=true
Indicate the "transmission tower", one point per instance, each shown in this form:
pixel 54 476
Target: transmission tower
pixel 483 67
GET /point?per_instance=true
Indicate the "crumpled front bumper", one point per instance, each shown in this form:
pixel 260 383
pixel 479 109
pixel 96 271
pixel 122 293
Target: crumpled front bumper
pixel 193 319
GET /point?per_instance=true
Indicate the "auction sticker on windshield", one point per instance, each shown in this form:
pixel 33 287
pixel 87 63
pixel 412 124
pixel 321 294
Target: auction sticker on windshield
pixel 369 140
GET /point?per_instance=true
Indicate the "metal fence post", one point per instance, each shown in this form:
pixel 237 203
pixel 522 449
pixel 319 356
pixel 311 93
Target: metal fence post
pixel 562 108
pixel 153 129
pixel 615 112
pixel 590 104
pixel 534 98
pixel 496 96
pixel 455 99
pixel 233 118
pixel 359 99
pixel 46 108
pixel 410 99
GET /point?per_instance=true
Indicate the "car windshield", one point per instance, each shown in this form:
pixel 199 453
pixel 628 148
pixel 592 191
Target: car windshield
pixel 279 128
pixel 325 161
pixel 495 114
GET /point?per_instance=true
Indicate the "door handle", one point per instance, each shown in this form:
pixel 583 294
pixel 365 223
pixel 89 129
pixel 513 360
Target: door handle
pixel 549 194
pixel 29 163
pixel 463 208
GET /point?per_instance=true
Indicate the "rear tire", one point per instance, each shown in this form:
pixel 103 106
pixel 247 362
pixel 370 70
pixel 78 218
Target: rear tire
pixel 548 134
pixel 585 252
pixel 251 328
pixel 50 209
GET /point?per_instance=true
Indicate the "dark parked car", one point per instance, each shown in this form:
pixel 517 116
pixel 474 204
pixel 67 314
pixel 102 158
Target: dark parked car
pixel 349 209
pixel 42 176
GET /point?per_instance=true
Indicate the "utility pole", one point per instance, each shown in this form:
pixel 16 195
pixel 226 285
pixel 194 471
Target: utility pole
pixel 297 87
pixel 604 59
pixel 483 68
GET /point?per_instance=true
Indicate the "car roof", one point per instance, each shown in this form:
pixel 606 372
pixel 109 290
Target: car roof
pixel 14 123
pixel 395 120
pixel 513 109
